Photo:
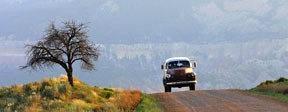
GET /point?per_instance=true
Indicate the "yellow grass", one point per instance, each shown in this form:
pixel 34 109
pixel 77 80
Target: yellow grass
pixel 56 94
pixel 129 99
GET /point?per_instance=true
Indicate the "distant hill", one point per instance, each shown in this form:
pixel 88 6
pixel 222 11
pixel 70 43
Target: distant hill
pixel 137 66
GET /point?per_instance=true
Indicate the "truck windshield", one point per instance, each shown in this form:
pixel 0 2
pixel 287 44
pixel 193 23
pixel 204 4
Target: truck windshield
pixel 178 64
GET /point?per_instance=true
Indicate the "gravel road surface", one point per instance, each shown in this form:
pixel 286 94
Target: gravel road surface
pixel 218 101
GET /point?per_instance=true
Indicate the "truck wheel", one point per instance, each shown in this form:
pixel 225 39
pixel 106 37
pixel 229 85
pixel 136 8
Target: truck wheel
pixel 167 88
pixel 192 87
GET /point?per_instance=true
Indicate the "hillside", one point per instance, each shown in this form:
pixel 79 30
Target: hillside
pixel 55 94
pixel 277 89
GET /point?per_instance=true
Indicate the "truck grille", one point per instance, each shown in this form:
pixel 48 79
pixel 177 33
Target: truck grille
pixel 180 77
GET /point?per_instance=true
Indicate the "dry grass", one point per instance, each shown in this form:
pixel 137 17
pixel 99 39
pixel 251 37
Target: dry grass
pixel 279 86
pixel 55 94
pixel 128 100
pixel 277 89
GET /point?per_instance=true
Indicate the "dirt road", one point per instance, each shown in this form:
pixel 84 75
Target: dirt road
pixel 218 101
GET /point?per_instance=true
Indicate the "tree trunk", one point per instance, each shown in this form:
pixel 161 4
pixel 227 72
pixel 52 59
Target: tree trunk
pixel 70 78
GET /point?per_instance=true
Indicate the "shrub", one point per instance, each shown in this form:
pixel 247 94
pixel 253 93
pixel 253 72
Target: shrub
pixel 282 79
pixel 268 82
pixel 18 88
pixel 106 94
pixel 285 92
pixel 47 93
pixel 62 89
pixel 27 88
pixel 108 89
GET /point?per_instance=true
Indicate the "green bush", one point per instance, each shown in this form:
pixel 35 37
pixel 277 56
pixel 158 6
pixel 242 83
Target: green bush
pixel 64 89
pixel 47 93
pixel 281 79
pixel 267 82
pixel 27 89
pixel 106 94
pixel 46 83
pixel 108 89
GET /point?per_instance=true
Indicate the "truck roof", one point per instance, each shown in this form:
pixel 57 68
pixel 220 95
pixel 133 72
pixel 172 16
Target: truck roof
pixel 177 59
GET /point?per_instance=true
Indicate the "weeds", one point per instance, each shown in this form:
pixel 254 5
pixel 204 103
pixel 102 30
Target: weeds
pixel 277 89
pixel 55 94
pixel 128 100
pixel 148 104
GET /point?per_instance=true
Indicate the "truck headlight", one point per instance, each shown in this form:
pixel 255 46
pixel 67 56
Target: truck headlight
pixel 188 70
pixel 168 76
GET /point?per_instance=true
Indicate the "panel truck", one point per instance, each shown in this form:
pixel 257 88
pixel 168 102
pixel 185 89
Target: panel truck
pixel 178 72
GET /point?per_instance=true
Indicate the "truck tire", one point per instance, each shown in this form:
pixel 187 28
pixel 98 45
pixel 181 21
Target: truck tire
pixel 167 88
pixel 192 87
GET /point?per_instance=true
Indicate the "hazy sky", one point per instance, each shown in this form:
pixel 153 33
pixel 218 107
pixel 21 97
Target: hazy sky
pixel 147 21
pixel 144 21
pixel 141 22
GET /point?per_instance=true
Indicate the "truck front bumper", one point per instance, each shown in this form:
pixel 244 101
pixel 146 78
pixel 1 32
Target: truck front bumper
pixel 181 83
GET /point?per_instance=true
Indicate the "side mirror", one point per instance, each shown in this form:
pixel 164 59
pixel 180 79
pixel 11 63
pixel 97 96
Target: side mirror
pixel 162 67
pixel 195 64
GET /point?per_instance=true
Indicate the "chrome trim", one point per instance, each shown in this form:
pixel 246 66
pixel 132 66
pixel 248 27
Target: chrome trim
pixel 182 82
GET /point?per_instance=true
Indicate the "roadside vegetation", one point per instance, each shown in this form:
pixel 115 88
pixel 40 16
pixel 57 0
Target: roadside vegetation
pixel 148 104
pixel 277 89
pixel 56 94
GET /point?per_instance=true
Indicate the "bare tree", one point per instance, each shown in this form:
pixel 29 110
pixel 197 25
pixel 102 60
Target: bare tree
pixel 63 46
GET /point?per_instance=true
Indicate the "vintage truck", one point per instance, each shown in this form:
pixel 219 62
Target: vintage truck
pixel 178 72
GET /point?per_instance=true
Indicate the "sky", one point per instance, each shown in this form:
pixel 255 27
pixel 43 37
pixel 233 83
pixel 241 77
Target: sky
pixel 135 21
